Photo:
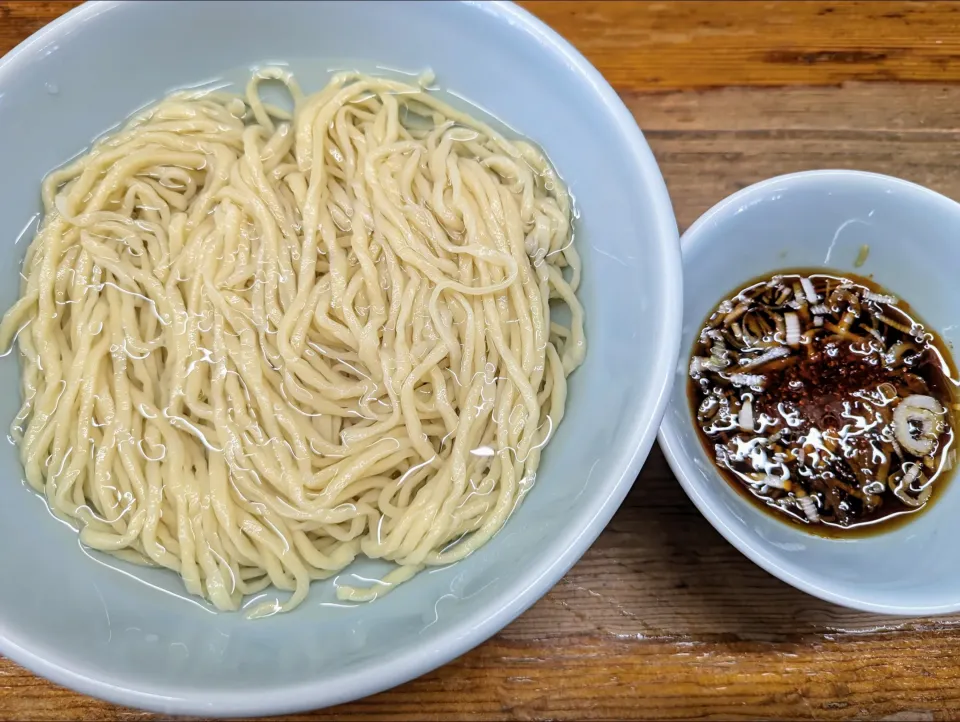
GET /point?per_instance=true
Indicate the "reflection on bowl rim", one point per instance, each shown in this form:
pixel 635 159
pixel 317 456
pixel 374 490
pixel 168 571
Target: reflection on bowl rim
pixel 684 468
pixel 464 635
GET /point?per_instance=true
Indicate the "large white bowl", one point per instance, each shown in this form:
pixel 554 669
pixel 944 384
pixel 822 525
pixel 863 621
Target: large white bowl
pixel 821 219
pixel 128 634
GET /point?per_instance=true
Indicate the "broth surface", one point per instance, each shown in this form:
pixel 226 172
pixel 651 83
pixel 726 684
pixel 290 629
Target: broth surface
pixel 825 400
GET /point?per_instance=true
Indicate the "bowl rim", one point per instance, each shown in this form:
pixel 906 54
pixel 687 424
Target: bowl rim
pixel 466 634
pixel 683 466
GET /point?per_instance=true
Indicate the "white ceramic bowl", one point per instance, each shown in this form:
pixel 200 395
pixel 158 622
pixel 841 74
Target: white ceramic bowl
pixel 821 219
pixel 129 635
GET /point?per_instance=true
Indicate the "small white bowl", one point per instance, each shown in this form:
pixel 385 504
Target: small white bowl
pixel 821 219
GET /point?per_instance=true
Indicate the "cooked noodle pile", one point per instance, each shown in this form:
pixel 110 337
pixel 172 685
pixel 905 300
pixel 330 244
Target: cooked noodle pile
pixel 256 344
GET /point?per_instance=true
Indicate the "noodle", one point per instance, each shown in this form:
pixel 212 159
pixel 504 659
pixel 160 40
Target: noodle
pixel 257 345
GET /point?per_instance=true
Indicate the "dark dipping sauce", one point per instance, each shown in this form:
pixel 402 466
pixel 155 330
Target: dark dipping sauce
pixel 823 399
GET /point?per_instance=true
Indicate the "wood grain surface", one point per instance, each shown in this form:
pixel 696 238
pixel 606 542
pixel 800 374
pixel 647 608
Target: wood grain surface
pixel 662 619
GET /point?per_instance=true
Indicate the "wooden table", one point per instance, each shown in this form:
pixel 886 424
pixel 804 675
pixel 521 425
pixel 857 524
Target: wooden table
pixel 662 618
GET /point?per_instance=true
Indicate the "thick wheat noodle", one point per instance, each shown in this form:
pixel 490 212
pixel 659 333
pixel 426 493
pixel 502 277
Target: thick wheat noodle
pixel 257 344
